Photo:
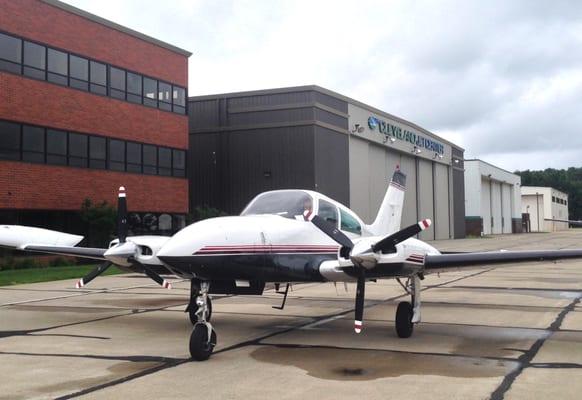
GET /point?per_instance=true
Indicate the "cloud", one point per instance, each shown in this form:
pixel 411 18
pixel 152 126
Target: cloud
pixel 501 79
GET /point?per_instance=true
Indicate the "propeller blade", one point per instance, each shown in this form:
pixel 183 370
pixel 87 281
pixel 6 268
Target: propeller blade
pixel 332 232
pixel 157 278
pixel 121 215
pixel 388 244
pixel 93 274
pixel 359 320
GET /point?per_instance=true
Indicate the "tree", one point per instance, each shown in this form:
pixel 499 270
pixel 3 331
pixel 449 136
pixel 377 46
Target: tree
pixel 568 181
pixel 100 219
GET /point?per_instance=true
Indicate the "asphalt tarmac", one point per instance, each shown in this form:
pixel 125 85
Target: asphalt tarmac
pixel 497 332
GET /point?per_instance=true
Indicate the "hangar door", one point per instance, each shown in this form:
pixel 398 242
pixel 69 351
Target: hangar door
pixel 426 196
pixel 441 190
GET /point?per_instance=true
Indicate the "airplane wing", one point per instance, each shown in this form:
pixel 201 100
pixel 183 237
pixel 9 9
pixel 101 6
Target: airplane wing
pixel 83 252
pixel 571 222
pixel 40 240
pixel 443 262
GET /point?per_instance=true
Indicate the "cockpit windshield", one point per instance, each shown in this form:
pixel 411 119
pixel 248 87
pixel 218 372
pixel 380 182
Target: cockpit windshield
pixel 287 203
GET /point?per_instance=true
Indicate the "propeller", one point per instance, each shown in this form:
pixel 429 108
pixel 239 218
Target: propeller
pixel 124 252
pixel 93 274
pixel 121 215
pixel 386 245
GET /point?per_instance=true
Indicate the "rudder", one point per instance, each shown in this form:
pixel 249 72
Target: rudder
pixel 390 213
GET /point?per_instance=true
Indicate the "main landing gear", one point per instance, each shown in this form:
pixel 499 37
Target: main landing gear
pixel 203 338
pixel 408 314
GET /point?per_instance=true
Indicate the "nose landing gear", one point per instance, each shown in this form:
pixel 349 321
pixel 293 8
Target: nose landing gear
pixel 203 337
pixel 193 308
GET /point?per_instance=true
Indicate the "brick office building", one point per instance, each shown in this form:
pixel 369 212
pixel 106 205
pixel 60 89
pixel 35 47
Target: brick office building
pixel 86 106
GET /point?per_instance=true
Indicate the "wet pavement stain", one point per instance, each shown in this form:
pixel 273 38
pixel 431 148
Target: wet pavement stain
pixel 137 303
pixel 115 371
pixel 364 365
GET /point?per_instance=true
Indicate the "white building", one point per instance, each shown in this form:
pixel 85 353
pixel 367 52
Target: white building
pixel 543 203
pixel 492 199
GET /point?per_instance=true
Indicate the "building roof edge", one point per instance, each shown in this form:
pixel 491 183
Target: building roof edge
pixel 118 27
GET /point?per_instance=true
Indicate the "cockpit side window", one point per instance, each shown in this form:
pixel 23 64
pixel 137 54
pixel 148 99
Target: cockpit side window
pixel 328 212
pixel 349 223
pixel 288 204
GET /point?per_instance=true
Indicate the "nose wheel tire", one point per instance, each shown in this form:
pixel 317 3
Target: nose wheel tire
pixel 193 308
pixel 404 325
pixel 200 347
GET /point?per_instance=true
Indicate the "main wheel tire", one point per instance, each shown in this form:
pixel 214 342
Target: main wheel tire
pixel 200 348
pixel 404 325
pixel 194 308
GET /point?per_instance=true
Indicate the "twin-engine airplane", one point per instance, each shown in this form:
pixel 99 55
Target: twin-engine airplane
pixel 282 236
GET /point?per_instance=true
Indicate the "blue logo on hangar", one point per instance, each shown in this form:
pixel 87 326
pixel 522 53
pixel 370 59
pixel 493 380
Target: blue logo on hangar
pixel 372 123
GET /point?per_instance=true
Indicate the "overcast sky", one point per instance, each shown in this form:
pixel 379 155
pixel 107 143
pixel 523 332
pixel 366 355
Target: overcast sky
pixel 503 79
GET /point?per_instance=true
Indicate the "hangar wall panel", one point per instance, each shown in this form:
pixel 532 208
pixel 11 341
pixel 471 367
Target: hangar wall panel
pixel 442 202
pixel 486 206
pixel 205 159
pixel 378 177
pixel 410 212
pixel 507 205
pixel 496 206
pixel 426 196
pixel 332 165
pixel 359 178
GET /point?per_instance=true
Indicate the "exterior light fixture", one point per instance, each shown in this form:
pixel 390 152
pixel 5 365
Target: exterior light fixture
pixel 437 155
pixel 358 128
pixel 416 150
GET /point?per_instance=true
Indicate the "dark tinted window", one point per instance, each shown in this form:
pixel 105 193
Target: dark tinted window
pixel 116 155
pixel 165 96
pixel 10 53
pixel 179 163
pixel 349 223
pixel 34 60
pixel 10 48
pixel 134 87
pixel 77 150
pixel 56 147
pixel 57 66
pixel 328 212
pixel 79 68
pixel 150 92
pixel 179 99
pixel 133 157
pixel 98 73
pixel 98 77
pixel 97 152
pixel 164 161
pixel 117 82
pixel 57 62
pixel 33 144
pixel 150 159
pixel 34 55
pixel 9 141
pixel 79 72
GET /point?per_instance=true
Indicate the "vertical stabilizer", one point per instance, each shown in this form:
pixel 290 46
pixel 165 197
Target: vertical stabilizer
pixel 390 213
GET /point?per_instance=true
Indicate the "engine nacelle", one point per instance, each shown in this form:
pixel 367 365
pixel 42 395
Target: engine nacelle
pixel 147 247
